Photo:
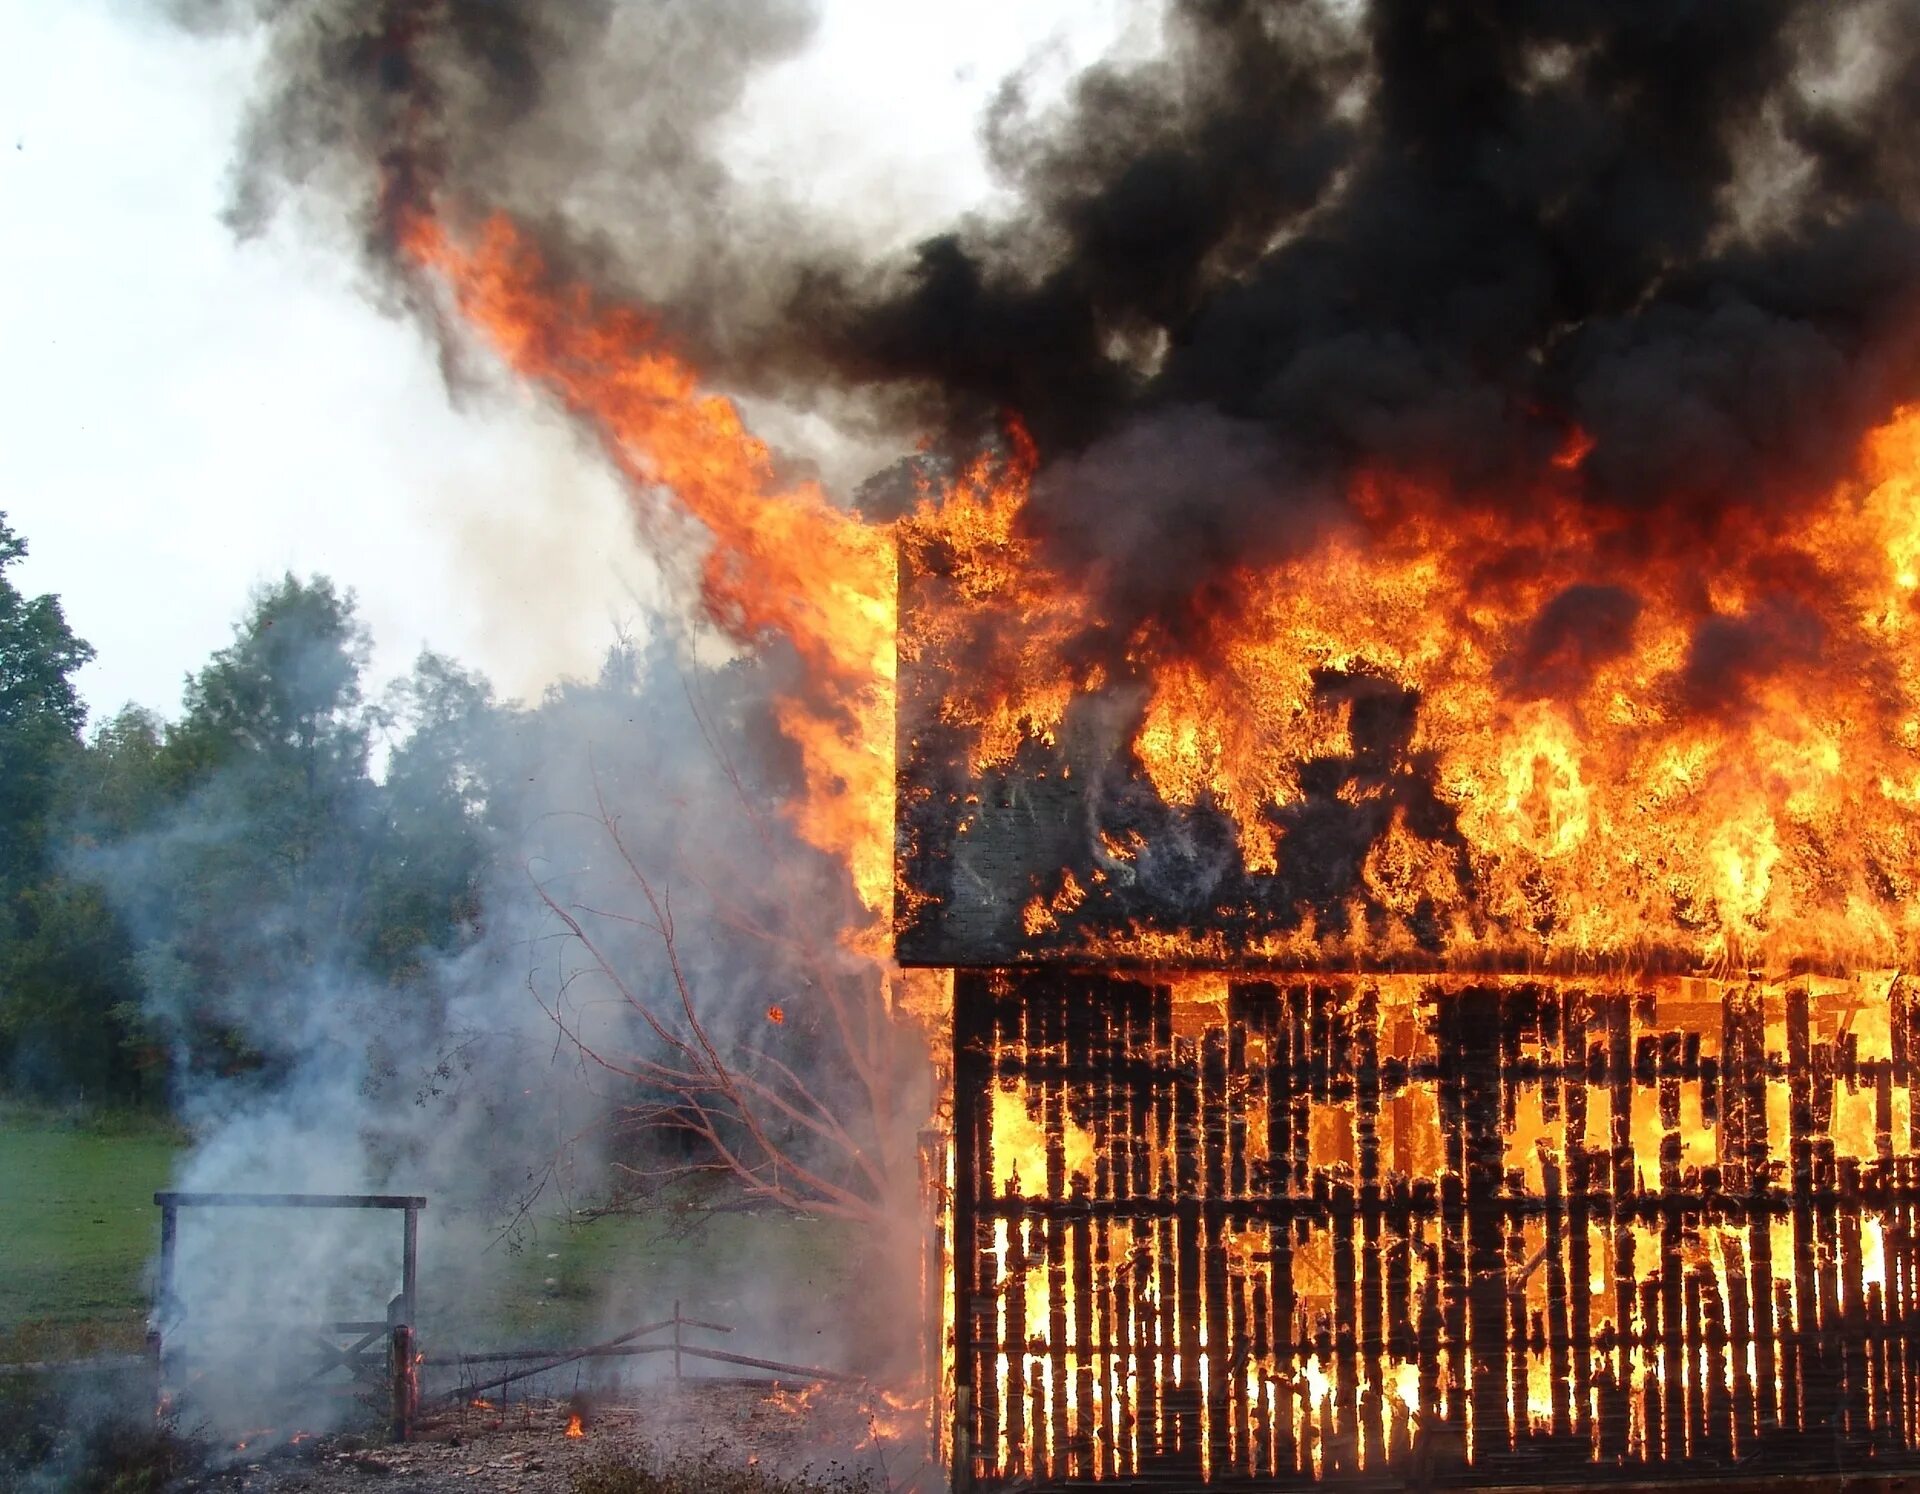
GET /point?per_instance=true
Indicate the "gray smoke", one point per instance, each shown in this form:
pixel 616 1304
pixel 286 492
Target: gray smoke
pixel 590 123
pixel 509 1079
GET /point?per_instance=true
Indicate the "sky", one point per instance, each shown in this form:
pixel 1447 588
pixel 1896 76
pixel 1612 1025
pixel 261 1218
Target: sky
pixel 184 416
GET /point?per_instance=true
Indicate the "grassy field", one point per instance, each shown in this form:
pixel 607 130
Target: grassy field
pixel 76 1232
pixel 568 1283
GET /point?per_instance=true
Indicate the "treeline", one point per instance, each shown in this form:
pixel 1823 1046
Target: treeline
pixel 160 879
pixel 165 885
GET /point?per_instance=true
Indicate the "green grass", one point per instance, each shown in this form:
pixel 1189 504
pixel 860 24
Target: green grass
pixel 555 1284
pixel 77 1231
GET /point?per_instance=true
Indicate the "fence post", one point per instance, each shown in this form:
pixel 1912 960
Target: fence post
pixel 410 1262
pixel 676 1338
pixel 163 1312
pixel 406 1381
pixel 962 1471
pixel 169 1227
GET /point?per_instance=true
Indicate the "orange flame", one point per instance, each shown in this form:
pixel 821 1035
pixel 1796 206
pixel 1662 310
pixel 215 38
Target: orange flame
pixel 1574 451
pixel 574 1427
pixel 1078 1339
pixel 1606 809
pixel 783 560
pixel 1603 811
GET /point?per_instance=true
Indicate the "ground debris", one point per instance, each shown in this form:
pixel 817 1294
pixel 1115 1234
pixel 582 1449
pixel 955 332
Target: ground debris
pixel 771 1437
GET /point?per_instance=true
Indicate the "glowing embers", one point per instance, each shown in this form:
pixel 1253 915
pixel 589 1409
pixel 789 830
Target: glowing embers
pixel 1297 1231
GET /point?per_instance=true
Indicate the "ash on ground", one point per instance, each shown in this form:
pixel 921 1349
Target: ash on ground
pixel 747 1437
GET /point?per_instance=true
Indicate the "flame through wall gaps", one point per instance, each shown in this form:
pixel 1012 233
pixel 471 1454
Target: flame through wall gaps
pixel 1261 1222
pixel 1329 1229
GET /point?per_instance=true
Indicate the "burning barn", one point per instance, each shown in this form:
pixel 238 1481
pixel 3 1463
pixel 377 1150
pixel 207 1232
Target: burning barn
pixel 1355 1075
pixel 1409 736
pixel 1293 1227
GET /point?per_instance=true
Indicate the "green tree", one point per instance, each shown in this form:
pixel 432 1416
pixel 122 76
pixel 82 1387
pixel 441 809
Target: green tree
pixel 256 879
pixel 117 788
pixel 284 699
pixel 72 1022
pixel 188 886
pixel 48 1040
pixel 283 868
pixel 40 715
pixel 77 975
pixel 440 806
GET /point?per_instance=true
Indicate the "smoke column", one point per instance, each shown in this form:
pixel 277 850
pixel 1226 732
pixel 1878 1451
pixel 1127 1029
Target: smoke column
pixel 1302 239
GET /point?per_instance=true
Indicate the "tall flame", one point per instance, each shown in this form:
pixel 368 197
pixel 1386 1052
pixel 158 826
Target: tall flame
pixel 1610 801
pixel 783 559
pixel 1718 763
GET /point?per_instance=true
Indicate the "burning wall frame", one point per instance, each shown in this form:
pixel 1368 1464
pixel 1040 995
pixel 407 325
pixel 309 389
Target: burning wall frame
pixel 1297 1228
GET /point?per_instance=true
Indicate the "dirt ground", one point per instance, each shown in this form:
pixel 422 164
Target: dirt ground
pixel 831 1432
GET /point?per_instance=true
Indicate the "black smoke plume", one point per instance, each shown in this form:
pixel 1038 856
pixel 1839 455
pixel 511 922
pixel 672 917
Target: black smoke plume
pixel 588 121
pixel 1439 237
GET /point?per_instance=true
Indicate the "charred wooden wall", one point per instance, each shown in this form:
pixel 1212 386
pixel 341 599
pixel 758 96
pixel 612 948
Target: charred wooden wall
pixel 1326 1230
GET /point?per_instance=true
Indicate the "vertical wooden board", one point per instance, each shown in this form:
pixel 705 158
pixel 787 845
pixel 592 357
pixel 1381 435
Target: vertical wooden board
pixel 1085 1430
pixel 1345 1272
pixel 1673 1334
pixel 1372 1321
pixel 972 1143
pixel 1719 1408
pixel 1746 1421
pixel 1475 1037
pixel 1558 1365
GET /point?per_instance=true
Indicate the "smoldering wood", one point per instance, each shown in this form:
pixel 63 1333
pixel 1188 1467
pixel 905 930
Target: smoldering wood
pixel 505 1356
pixel 1372 1302
pixel 403 1368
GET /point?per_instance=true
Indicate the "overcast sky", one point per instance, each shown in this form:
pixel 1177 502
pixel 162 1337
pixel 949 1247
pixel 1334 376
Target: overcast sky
pixel 183 416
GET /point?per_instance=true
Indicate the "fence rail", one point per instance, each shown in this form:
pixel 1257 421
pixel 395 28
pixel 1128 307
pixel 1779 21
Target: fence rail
pixel 625 1346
